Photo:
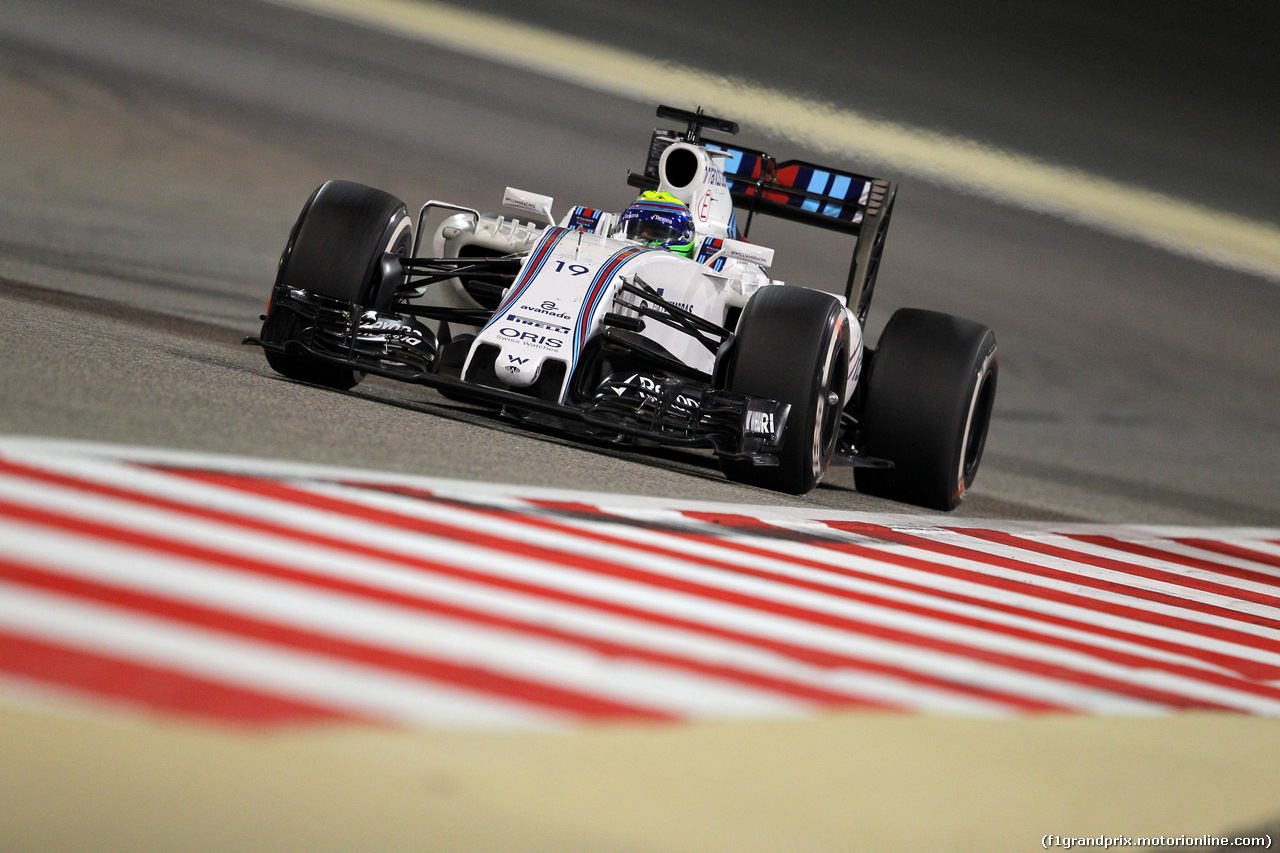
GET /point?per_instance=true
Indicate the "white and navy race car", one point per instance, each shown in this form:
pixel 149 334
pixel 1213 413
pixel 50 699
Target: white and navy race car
pixel 659 324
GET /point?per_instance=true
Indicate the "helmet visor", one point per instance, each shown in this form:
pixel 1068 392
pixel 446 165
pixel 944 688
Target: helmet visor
pixel 657 228
pixel 652 232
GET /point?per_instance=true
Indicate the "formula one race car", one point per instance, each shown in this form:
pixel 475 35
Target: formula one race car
pixel 657 325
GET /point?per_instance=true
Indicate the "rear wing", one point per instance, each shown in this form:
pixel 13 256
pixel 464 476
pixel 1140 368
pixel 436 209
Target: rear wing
pixel 793 189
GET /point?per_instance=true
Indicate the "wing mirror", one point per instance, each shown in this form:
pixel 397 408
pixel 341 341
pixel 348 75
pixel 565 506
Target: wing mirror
pixel 538 205
pixel 749 252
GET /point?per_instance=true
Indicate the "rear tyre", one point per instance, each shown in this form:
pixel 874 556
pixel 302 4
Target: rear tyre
pixel 335 250
pixel 792 345
pixel 929 395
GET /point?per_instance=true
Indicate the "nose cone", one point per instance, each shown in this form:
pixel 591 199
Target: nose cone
pixel 517 368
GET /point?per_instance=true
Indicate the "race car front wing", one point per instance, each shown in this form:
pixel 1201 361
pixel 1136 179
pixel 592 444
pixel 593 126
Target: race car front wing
pixel 637 405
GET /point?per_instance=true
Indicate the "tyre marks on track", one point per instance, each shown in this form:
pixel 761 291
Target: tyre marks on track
pixel 259 593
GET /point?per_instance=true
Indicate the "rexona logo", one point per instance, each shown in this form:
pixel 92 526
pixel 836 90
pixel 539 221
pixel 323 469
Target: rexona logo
pixel 530 337
pixel 637 382
pixel 644 382
pixel 538 324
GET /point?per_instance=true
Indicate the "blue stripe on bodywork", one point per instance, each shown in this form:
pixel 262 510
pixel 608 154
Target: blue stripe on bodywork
pixel 599 286
pixel 818 182
pixel 710 246
pixel 537 260
pixel 839 189
pixel 584 219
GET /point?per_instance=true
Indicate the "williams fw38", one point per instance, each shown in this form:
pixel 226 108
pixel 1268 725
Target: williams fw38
pixel 656 325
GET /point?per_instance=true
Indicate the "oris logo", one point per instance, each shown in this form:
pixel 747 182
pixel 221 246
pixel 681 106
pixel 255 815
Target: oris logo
pixel 704 206
pixel 532 338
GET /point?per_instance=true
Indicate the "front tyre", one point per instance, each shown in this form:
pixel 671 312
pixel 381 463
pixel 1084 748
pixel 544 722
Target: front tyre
pixel 927 409
pixel 792 345
pixel 335 250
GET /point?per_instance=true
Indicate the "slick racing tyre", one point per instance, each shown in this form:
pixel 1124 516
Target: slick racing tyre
pixel 927 408
pixel 335 250
pixel 792 345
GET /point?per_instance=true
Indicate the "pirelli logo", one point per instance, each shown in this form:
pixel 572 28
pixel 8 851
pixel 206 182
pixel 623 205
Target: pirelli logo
pixel 538 324
pixel 760 423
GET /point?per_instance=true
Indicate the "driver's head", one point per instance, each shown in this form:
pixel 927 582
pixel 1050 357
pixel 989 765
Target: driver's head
pixel 659 220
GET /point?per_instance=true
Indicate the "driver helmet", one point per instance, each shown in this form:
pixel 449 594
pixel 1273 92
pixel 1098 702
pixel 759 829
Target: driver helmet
pixel 661 221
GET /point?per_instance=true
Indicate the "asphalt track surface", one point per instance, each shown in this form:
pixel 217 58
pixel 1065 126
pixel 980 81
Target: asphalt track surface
pixel 155 155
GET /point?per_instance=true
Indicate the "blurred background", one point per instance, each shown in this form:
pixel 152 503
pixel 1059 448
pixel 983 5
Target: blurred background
pixel 154 155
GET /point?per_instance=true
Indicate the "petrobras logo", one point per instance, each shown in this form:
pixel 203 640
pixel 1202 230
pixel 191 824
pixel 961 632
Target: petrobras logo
pixel 531 338
pixel 548 308
pixel 538 324
pixel 687 306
